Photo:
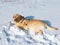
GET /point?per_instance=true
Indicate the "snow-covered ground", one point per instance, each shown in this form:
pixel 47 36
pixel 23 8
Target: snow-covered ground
pixel 47 10
pixel 13 35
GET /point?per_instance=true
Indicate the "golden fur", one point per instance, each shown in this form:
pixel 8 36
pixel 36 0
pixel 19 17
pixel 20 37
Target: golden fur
pixel 36 25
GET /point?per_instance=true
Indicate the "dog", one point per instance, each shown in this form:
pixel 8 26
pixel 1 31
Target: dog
pixel 37 26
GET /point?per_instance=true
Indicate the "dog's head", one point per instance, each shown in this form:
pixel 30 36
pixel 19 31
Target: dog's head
pixel 18 17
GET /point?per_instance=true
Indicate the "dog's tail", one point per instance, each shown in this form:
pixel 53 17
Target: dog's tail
pixel 50 28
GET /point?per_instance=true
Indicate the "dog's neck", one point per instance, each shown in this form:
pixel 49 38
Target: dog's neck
pixel 25 21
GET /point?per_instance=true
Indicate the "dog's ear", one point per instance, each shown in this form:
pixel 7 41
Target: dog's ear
pixel 17 16
pixel 20 16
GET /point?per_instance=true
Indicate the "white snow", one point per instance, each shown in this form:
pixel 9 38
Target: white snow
pixel 47 10
pixel 16 35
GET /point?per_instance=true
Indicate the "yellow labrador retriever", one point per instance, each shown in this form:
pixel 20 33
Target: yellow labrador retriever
pixel 36 25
